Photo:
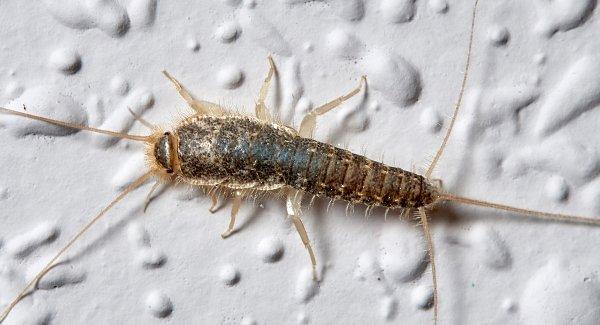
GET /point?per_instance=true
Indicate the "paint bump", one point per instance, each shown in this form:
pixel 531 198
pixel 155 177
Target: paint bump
pixel 159 304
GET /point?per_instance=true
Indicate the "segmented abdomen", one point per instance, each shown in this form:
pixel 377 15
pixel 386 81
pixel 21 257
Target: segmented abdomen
pixel 242 150
pixel 325 170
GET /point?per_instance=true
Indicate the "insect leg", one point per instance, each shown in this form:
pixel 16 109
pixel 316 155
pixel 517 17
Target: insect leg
pixel 423 217
pixel 149 195
pixel 260 108
pixel 294 198
pixel 309 122
pixel 237 201
pixel 215 201
pixel 201 107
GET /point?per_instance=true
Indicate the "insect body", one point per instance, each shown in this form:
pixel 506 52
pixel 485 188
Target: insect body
pixel 239 152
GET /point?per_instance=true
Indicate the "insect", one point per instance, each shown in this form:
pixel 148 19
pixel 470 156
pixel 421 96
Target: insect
pixel 241 155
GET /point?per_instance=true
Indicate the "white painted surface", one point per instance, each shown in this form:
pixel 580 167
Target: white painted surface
pixel 527 135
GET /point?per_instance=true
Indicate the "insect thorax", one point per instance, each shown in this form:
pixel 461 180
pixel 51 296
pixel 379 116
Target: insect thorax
pixel 233 151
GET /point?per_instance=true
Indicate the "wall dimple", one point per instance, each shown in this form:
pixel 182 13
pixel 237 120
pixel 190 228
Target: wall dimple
pixel 540 58
pixel 438 6
pixel 232 3
pixel 270 249
pixel 306 287
pixel 13 89
pixel 121 120
pixel 562 15
pixel 558 155
pixel 230 77
pixel 556 188
pixel 228 31
pixel 397 11
pixel 350 10
pixel 119 86
pixel 354 119
pixel 402 254
pixel 544 296
pixel 192 43
pixel 577 91
pixel 422 297
pixel 366 267
pixel 22 245
pixel 137 235
pixel 65 60
pixel 302 318
pixel 133 168
pixel 509 306
pixel 391 75
pixel 263 33
pixel 94 105
pixel 59 276
pixel 150 258
pixel 142 13
pixel 388 308
pixel 248 320
pixel 229 275
pixel 146 256
pixel 490 247
pixel 106 15
pixel 431 120
pixel 344 44
pixel 158 304
pixel 498 35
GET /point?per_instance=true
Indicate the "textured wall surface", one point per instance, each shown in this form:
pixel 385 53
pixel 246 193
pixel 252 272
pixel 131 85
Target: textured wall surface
pixel 527 136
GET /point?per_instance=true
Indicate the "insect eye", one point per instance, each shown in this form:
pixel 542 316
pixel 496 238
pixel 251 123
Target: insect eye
pixel 169 171
pixel 167 133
